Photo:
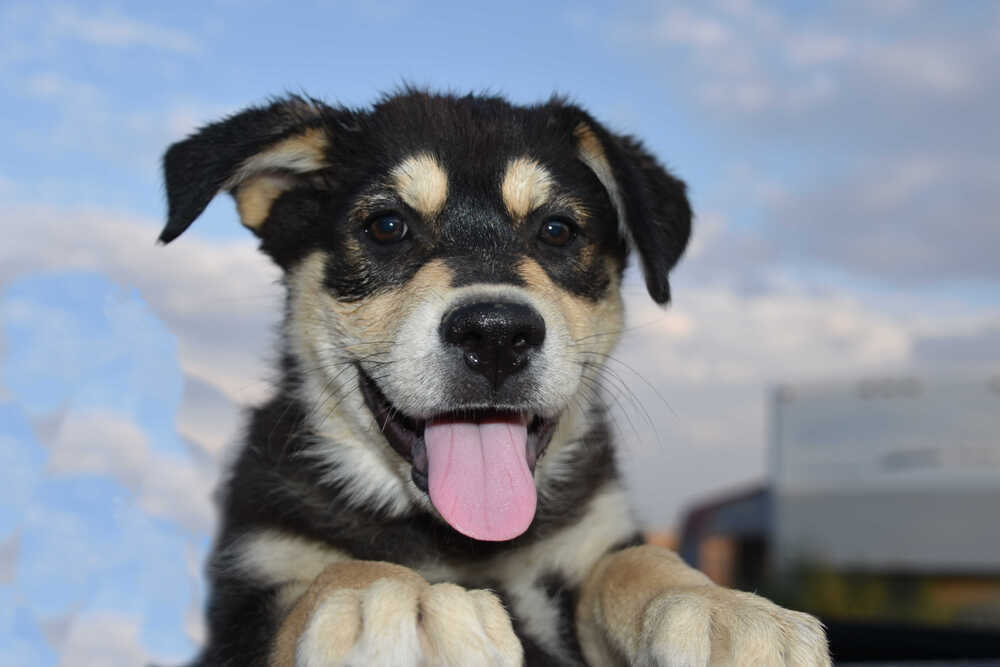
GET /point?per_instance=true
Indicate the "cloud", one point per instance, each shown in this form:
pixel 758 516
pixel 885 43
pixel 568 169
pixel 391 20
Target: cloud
pixel 115 30
pixel 973 350
pixel 221 298
pixel 53 85
pixel 883 139
pixel 716 334
pixel 689 384
pixel 935 68
pixel 746 59
pixel 99 639
pixel 207 417
pixel 682 26
pixel 912 220
pixel 105 444
pixel 94 474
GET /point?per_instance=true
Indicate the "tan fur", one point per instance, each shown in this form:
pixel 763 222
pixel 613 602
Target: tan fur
pixel 643 605
pixel 351 575
pixel 365 612
pixel 592 154
pixel 255 196
pixel 599 322
pixel 377 318
pixel 422 183
pixel 263 177
pixel 526 185
pixel 300 154
pixel 373 319
pixel 371 472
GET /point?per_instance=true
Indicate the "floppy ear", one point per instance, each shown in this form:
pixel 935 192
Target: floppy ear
pixel 256 155
pixel 652 205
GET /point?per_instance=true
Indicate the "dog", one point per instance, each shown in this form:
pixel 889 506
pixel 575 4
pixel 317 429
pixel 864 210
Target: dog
pixel 433 481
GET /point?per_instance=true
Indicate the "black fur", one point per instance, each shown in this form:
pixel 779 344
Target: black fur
pixel 271 484
pixel 364 146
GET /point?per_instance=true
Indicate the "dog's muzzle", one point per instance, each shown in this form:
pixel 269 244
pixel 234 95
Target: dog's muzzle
pixel 476 457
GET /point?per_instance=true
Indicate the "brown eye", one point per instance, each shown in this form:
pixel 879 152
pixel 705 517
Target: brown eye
pixel 556 232
pixel 387 229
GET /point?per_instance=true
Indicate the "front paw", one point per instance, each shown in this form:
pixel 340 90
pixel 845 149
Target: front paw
pixel 396 622
pixel 710 625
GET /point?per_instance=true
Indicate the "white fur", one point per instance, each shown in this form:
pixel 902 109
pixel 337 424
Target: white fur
pixel 274 558
pixel 420 379
pixel 708 626
pixel 393 623
pixel 300 154
pixel 349 444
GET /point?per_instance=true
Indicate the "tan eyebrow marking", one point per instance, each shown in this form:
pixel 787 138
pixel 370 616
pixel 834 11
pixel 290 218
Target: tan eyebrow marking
pixel 526 185
pixel 422 183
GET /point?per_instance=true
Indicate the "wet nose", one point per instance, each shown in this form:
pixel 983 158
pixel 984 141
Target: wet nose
pixel 497 339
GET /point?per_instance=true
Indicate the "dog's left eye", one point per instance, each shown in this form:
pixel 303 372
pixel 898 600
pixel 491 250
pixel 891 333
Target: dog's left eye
pixel 386 229
pixel 556 232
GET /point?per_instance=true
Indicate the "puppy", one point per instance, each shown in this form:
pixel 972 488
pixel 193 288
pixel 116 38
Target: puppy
pixel 433 481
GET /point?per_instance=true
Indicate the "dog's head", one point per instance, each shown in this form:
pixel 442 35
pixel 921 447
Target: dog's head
pixel 453 268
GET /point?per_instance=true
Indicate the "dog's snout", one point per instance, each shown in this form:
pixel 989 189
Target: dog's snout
pixel 497 339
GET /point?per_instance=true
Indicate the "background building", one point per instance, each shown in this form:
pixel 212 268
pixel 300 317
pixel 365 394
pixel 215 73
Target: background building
pixel 880 514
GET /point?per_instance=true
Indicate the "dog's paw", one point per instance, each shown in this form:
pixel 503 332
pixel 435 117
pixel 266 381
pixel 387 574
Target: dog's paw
pixel 710 625
pixel 393 622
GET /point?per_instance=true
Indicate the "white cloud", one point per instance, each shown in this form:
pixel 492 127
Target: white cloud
pixel 690 384
pixel 748 59
pixel 54 85
pixel 99 639
pixel 810 47
pixel 207 417
pixel 714 334
pixel 112 29
pixel 168 487
pixel 682 26
pixel 221 298
pixel 929 67
pixel 916 219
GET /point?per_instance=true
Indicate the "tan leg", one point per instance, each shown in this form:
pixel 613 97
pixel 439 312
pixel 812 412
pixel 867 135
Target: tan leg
pixel 644 606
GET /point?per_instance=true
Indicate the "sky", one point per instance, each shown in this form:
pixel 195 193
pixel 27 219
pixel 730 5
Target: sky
pixel 843 162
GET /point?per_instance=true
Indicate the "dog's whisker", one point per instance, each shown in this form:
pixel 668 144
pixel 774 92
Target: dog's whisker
pixel 609 357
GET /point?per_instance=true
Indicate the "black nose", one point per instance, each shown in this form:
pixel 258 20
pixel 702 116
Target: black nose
pixel 496 338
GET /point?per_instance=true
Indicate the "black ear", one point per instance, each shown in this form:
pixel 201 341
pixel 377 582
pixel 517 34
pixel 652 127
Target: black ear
pixel 652 204
pixel 256 155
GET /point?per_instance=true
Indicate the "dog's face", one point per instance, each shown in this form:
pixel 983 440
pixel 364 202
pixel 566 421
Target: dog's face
pixel 453 268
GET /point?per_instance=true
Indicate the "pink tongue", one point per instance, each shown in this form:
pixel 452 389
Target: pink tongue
pixel 478 477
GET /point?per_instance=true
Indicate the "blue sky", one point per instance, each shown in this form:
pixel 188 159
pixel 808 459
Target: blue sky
pixel 842 159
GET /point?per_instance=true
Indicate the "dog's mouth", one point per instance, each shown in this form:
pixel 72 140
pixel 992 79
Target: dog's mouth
pixel 475 464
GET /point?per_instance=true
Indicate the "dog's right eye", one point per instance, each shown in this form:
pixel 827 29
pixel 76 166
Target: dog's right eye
pixel 387 229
